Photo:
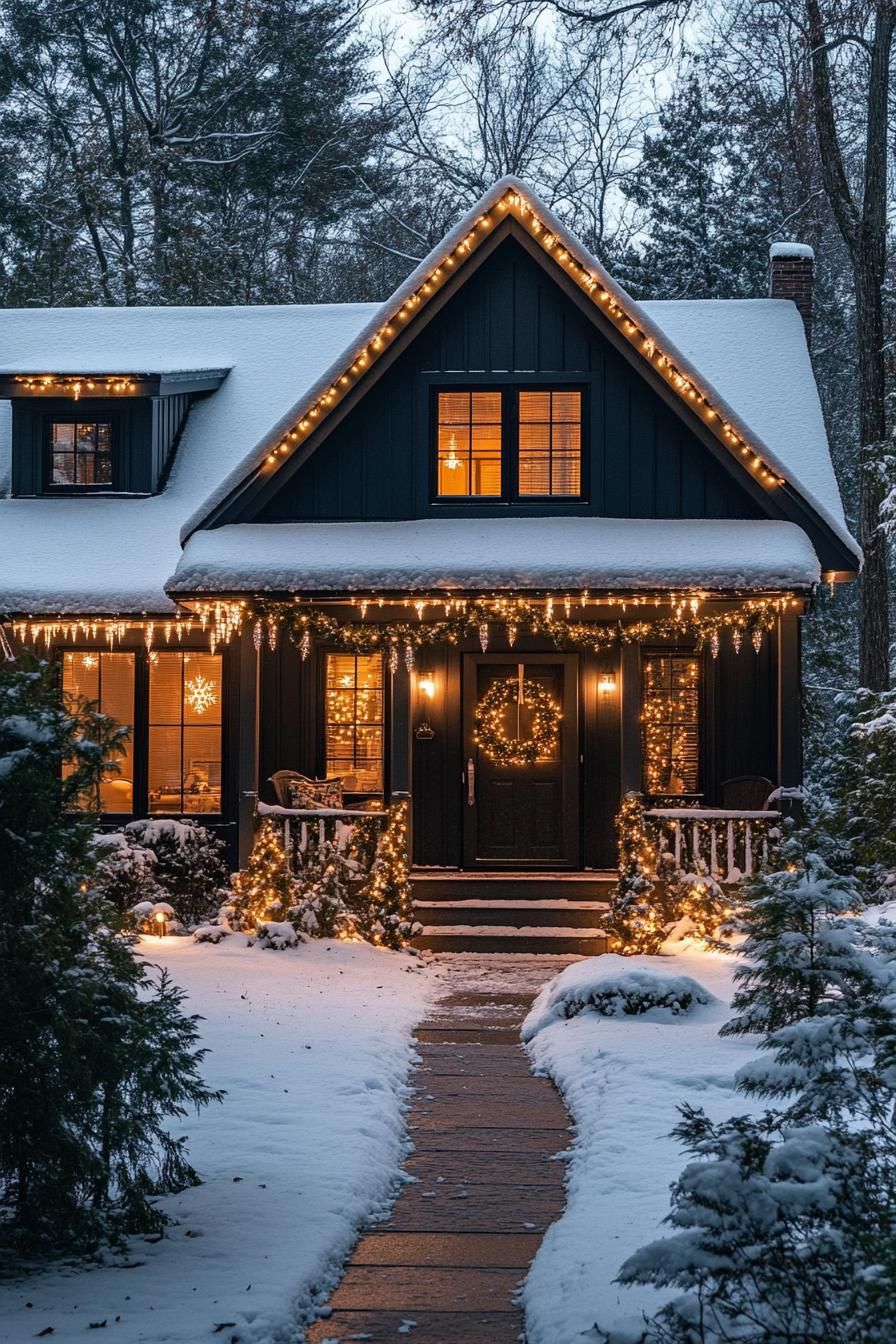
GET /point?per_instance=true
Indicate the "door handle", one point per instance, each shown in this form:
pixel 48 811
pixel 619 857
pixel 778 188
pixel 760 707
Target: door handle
pixel 471 782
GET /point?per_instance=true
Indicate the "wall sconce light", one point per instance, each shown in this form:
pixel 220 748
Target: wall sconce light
pixel 426 688
pixel 606 683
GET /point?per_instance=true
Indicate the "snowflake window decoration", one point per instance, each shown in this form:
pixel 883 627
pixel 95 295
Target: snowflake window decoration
pixel 200 694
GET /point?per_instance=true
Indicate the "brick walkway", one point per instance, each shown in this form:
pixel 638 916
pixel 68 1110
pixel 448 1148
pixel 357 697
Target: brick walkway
pixel 445 1267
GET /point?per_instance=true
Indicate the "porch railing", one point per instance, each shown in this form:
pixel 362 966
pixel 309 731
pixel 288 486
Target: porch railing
pixel 337 825
pixel 728 844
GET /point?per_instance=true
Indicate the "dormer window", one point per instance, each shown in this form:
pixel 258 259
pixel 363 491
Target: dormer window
pixel 80 455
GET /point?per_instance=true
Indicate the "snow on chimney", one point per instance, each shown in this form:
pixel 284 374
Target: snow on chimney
pixel 790 277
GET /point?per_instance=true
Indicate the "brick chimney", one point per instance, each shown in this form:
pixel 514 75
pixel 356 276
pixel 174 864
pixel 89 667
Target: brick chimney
pixel 790 277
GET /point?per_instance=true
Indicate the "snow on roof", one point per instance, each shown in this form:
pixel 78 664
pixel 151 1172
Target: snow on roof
pixel 424 555
pixel 754 352
pixel 109 556
pixel 780 457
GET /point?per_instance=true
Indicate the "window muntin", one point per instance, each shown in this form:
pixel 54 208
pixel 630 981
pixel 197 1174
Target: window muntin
pixel 185 732
pixel 108 680
pixel 80 453
pixel 354 720
pixel 549 443
pixel 671 689
pixel 469 444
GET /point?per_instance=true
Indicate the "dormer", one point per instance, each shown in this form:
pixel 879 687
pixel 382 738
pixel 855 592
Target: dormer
pixel 98 433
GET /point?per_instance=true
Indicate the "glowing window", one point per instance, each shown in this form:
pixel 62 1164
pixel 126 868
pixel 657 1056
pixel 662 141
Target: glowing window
pixel 671 723
pixel 354 720
pixel 107 679
pixel 469 447
pixel 80 453
pixel 550 443
pixel 185 732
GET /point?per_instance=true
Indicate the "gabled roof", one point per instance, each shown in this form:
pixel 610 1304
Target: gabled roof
pixel 114 555
pixel 807 460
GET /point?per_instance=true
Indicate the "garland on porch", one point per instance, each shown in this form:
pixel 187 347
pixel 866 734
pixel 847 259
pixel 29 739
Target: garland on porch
pixel 484 617
pixel 489 727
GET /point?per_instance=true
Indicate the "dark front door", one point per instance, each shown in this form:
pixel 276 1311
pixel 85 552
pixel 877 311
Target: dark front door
pixel 521 815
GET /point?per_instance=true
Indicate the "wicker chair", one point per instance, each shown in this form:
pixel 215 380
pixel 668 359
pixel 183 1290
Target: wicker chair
pixel 746 793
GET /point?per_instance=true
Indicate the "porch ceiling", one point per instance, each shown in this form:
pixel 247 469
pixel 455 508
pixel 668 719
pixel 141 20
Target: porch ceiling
pixel 489 554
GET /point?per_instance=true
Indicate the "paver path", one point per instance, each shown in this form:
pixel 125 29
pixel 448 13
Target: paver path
pixel 445 1267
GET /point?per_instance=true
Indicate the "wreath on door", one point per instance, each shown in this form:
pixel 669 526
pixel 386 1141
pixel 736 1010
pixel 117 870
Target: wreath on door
pixel 489 715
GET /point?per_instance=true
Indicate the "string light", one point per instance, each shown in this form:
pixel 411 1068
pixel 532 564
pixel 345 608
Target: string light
pixel 54 385
pixel 514 203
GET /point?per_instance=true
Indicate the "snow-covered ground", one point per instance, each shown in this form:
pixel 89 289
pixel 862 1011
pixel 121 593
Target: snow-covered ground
pixel 622 1079
pixel 313 1047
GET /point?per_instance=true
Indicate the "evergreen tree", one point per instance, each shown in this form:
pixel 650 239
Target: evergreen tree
pixel 95 1053
pixel 707 219
pixel 635 922
pixel 786 1222
pixel 384 914
pixel 265 889
pixel 321 907
pixel 795 944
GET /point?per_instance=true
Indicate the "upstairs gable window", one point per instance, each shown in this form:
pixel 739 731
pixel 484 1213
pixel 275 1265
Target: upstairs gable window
pixel 509 444
pixel 470 444
pixel 550 443
pixel 80 455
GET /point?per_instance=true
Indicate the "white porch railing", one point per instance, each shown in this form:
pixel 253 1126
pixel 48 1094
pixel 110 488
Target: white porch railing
pixel 728 844
pixel 332 823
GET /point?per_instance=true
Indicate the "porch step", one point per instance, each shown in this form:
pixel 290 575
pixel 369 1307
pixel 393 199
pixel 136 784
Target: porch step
pixel 530 939
pixel 434 884
pixel 518 914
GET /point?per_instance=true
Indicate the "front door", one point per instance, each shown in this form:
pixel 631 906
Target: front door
pixel 520 813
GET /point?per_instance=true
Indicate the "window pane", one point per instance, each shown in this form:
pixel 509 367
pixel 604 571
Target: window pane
pixel 671 723
pixel 469 444
pixel 107 679
pixel 81 453
pixel 185 732
pixel 549 446
pixel 354 720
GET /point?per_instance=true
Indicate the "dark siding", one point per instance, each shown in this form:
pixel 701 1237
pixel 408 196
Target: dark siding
pixel 510 323
pixel 741 734
pixel 145 432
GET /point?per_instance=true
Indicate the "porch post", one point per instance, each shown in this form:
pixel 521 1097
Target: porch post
pixel 400 733
pixel 630 719
pixel 790 738
pixel 247 743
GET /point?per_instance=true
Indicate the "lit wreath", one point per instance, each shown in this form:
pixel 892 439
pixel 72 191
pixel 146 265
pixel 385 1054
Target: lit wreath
pixel 489 732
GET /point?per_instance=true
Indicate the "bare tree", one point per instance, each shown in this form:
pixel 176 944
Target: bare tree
pixel 859 200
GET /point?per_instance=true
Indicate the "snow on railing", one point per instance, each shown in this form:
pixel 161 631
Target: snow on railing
pixel 729 844
pixel 337 824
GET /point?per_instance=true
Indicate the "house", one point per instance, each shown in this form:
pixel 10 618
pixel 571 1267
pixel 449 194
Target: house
pixel 510 543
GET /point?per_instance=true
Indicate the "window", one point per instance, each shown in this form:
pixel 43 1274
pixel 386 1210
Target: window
pixel 354 720
pixel 108 680
pixel 469 444
pixel 671 723
pixel 80 454
pixel 550 443
pixel 184 732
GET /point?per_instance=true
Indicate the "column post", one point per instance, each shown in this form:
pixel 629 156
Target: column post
pixel 249 707
pixel 630 718
pixel 789 725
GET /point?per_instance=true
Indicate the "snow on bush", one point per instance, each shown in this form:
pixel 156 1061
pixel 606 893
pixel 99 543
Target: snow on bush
pixel 613 986
pixel 212 933
pixel 157 859
pixel 277 934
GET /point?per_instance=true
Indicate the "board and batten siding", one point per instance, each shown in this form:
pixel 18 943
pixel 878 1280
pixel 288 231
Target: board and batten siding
pixel 512 324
